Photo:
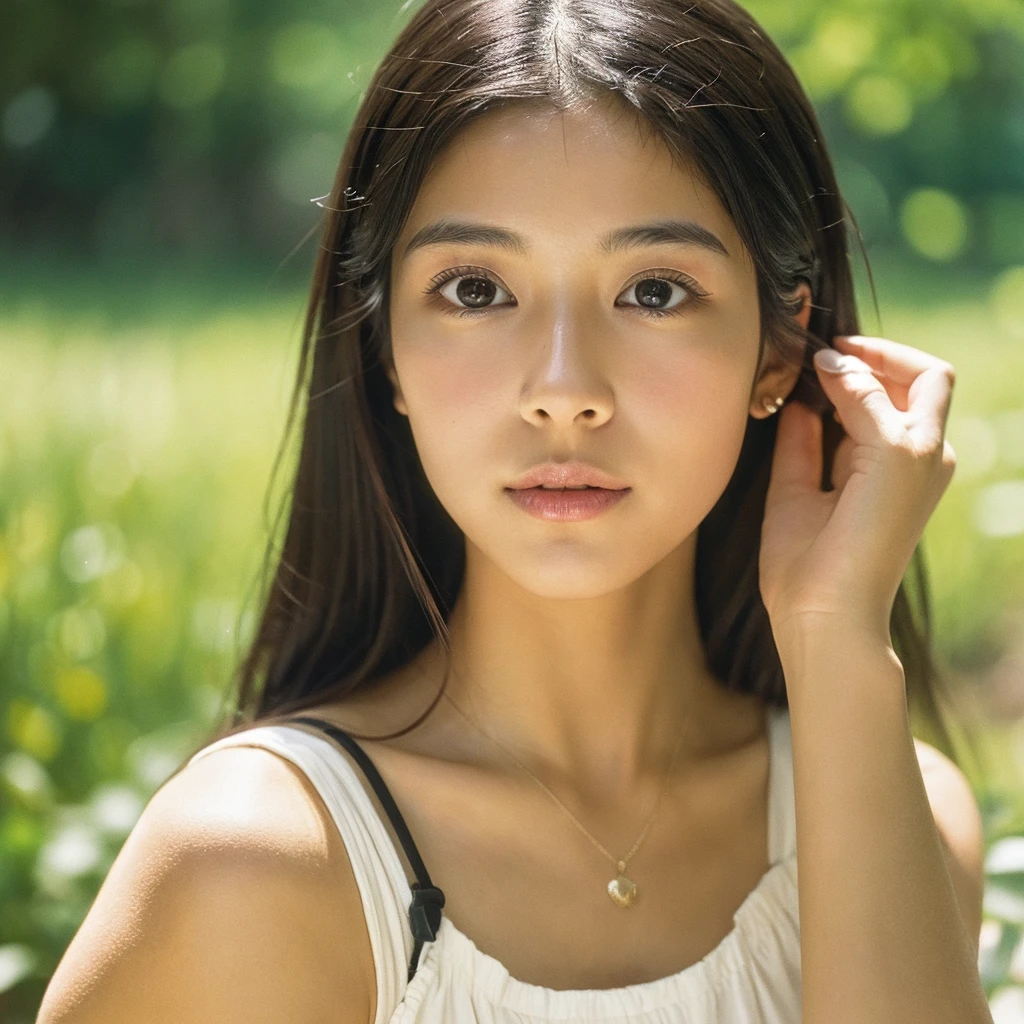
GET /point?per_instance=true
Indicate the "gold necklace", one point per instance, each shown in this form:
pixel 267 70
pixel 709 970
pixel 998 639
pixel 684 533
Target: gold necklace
pixel 621 889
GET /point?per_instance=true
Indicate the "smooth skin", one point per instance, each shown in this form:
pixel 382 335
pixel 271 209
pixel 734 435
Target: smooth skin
pixel 574 644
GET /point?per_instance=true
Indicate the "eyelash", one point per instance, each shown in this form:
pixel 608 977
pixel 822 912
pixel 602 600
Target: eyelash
pixel 697 296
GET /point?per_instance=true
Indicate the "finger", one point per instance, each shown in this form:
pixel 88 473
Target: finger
pixel 896 389
pixel 898 393
pixel 796 461
pixel 930 398
pixel 900 363
pixel 861 400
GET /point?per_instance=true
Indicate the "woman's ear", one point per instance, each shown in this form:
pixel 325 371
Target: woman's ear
pixel 803 293
pixel 399 398
pixel 778 379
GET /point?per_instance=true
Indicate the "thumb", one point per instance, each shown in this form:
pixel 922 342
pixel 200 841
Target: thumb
pixel 862 403
pixel 796 461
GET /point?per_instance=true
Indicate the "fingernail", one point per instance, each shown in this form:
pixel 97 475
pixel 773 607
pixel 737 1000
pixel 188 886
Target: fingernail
pixel 830 360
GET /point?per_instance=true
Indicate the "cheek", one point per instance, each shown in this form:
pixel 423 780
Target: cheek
pixel 457 406
pixel 689 415
pixel 693 383
pixel 448 380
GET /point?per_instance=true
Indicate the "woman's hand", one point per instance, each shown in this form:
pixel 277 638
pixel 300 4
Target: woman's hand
pixel 844 552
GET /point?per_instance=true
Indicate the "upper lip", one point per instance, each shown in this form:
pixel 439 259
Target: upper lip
pixel 567 474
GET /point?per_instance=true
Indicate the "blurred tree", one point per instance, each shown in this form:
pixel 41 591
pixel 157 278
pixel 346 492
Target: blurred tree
pixel 207 127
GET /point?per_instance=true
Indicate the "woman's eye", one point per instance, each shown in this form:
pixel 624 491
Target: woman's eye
pixel 655 294
pixel 468 292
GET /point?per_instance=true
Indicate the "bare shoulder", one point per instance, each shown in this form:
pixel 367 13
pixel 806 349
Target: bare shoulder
pixel 233 899
pixel 959 824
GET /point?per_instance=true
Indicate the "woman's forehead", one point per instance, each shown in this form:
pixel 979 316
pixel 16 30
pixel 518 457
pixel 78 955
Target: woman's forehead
pixel 579 173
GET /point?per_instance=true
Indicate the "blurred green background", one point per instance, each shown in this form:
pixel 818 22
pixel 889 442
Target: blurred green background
pixel 156 238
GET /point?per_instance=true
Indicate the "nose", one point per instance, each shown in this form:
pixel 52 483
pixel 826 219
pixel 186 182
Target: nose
pixel 565 384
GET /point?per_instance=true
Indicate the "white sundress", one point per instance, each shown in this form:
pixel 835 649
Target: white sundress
pixel 751 977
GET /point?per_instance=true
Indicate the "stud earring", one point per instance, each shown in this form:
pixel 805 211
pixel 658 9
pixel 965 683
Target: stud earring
pixel 772 406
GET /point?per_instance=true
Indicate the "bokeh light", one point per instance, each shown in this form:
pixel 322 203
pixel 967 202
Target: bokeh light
pixel 935 223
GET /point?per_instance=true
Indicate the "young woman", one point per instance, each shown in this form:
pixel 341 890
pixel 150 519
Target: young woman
pixel 507 749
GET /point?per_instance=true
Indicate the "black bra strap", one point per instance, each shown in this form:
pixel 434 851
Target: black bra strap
pixel 427 899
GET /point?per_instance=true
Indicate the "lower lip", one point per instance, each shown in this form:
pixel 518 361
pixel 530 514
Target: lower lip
pixel 565 505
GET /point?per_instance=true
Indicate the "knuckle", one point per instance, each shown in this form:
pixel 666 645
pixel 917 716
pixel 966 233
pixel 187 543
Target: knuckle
pixel 906 451
pixel 918 454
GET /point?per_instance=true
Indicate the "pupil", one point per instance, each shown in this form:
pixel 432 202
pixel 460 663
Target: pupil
pixel 653 290
pixel 475 291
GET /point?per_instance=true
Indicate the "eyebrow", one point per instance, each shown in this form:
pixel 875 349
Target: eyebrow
pixel 662 232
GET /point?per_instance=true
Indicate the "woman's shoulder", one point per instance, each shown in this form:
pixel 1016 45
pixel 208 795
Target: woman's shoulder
pixel 233 879
pixel 242 796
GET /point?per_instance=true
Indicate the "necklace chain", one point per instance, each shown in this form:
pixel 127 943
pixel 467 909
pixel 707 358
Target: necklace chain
pixel 620 864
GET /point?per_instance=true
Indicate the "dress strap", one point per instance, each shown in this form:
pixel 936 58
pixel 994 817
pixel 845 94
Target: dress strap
pixel 427 898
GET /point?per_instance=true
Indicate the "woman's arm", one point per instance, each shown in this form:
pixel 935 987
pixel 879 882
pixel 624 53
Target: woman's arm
pixel 882 938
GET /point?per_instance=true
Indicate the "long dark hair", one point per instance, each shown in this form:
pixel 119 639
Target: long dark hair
pixel 370 563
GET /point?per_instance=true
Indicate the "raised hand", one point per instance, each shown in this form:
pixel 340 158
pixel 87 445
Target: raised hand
pixel 843 552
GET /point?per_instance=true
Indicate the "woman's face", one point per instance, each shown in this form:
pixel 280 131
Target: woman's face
pixel 635 353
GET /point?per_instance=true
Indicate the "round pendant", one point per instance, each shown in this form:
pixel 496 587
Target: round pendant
pixel 622 890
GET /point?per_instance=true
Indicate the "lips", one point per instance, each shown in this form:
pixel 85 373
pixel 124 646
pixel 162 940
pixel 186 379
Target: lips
pixel 568 474
pixel 566 504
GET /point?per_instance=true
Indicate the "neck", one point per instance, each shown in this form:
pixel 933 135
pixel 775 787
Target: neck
pixel 595 690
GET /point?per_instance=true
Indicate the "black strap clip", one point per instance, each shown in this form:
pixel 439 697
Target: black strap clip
pixel 425 911
pixel 425 919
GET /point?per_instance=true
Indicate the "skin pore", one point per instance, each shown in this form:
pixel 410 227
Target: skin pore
pixel 576 644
